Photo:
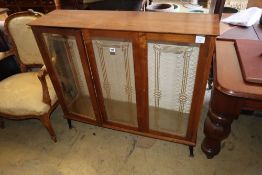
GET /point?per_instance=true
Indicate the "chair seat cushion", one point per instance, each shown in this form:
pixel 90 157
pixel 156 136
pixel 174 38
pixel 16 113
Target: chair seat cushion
pixel 22 94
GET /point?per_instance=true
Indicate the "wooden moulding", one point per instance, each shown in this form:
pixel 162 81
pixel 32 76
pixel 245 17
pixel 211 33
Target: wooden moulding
pixel 138 28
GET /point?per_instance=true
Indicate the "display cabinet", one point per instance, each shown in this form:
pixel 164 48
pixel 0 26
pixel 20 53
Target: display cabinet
pixel 139 72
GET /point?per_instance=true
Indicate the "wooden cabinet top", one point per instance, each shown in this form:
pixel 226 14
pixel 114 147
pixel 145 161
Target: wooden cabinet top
pixel 156 22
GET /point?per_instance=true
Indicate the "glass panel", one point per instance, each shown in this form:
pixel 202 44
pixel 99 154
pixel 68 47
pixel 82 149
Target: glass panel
pixel 67 64
pixel 114 61
pixel 171 76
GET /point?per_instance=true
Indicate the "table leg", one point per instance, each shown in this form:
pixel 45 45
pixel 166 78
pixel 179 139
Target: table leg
pixel 222 111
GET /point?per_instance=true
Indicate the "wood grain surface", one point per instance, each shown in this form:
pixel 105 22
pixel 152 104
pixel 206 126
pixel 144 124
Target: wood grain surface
pixel 228 72
pixel 250 58
pixel 180 23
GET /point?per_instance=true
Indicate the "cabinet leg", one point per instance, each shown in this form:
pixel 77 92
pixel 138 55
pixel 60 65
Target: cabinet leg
pixel 69 124
pixel 2 124
pixel 191 151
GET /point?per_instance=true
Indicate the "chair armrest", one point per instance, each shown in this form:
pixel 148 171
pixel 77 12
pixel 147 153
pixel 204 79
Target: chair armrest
pixel 5 54
pixel 41 76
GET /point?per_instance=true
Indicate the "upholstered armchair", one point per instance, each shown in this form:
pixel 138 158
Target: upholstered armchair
pixel 29 94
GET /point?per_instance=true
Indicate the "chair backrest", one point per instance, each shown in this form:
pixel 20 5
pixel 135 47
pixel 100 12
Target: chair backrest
pixel 22 38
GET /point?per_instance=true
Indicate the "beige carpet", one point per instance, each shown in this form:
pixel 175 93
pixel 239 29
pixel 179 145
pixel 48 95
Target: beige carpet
pixel 26 149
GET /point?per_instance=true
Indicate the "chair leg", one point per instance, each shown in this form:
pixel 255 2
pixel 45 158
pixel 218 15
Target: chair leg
pixel 47 123
pixel 2 124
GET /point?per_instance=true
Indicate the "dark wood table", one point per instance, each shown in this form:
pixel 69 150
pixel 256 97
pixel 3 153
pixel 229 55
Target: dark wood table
pixel 230 93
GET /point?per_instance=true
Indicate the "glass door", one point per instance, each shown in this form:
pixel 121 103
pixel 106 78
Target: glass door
pixel 63 51
pixel 115 67
pixel 171 78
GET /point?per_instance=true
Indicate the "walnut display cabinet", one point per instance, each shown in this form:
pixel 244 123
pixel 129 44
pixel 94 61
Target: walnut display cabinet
pixel 139 72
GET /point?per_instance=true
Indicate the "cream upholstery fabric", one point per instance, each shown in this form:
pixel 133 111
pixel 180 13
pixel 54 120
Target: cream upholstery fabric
pixel 24 40
pixel 21 94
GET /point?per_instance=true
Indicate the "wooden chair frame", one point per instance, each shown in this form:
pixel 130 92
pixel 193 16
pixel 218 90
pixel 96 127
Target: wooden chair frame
pixel 45 118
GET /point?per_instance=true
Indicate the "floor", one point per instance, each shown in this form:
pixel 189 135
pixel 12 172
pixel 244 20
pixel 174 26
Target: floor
pixel 26 149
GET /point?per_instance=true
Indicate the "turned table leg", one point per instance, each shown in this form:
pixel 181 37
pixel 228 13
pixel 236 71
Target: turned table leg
pixel 222 111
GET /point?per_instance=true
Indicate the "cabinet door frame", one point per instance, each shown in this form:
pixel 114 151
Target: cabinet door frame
pixel 38 32
pixel 203 67
pixel 130 36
